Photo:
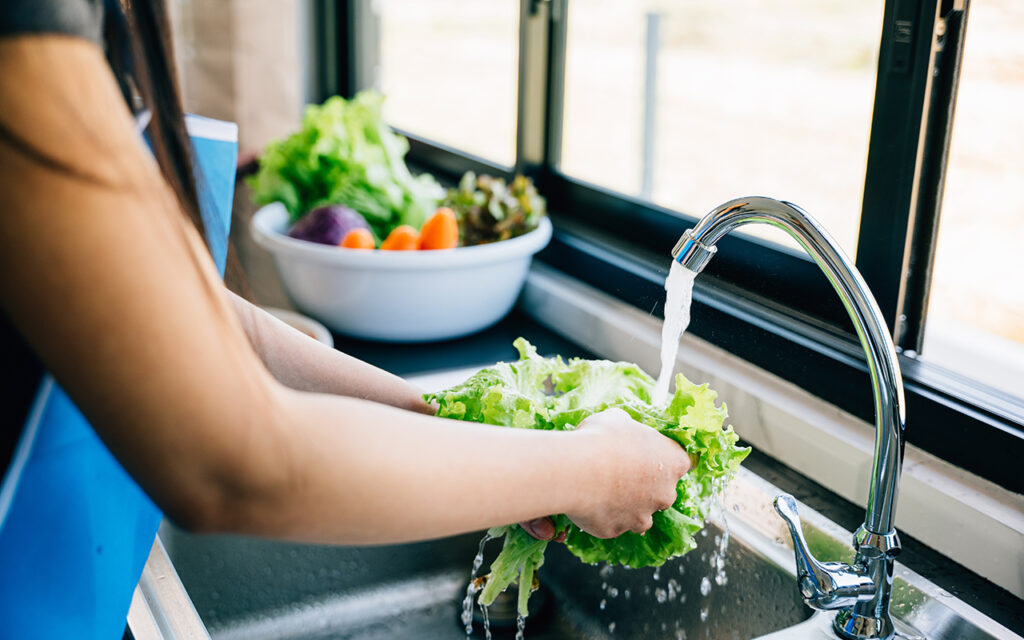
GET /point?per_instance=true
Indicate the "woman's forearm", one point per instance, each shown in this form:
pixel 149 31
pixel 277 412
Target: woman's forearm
pixel 304 364
pixel 355 472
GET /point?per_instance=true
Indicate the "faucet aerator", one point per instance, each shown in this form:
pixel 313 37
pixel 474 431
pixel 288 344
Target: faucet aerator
pixel 691 253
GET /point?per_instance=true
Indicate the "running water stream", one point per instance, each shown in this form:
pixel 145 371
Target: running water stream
pixel 678 297
pixel 472 589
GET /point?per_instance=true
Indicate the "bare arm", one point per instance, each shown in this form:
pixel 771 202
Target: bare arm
pixel 117 295
pixel 302 363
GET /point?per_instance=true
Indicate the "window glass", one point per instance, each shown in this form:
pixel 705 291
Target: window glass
pixel 774 101
pixel 449 71
pixel 976 310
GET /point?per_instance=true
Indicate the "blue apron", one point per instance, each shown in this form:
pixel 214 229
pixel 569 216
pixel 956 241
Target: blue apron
pixel 75 529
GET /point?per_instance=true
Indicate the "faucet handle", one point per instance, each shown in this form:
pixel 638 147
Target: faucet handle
pixel 823 585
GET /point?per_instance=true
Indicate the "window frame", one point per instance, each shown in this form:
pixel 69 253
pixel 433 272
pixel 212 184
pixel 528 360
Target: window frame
pixel 619 244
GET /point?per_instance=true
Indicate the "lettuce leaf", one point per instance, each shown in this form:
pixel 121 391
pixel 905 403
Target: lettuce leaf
pixel 548 393
pixel 345 153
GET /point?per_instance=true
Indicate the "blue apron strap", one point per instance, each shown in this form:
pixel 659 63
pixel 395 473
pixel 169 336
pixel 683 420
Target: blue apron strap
pixel 75 529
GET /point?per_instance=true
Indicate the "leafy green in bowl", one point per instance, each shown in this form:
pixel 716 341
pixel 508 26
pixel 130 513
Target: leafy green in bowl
pixel 346 154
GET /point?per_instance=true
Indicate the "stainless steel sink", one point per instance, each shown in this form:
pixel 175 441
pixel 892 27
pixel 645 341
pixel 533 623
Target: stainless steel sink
pixel 253 589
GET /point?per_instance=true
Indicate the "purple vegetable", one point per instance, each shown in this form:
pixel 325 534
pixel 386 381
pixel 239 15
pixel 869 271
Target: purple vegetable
pixel 327 225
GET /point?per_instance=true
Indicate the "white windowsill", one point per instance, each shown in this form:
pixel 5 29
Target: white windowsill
pixel 975 522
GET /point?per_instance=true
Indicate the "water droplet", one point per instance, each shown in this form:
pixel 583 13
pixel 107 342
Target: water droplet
pixel 603 604
pixel 613 592
pixel 611 627
pixel 703 615
pixel 661 595
pixel 657 573
pixel 705 586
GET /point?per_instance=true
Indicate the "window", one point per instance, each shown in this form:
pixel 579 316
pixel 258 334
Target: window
pixel 635 118
pixel 976 311
pixel 448 69
pixel 689 104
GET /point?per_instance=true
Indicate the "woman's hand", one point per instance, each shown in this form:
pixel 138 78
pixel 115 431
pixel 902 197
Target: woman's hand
pixel 635 472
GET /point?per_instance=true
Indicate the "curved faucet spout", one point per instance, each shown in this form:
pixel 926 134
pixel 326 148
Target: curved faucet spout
pixel 876 542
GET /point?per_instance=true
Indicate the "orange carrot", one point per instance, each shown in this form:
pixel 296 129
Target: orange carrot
pixel 401 238
pixel 358 239
pixel 441 231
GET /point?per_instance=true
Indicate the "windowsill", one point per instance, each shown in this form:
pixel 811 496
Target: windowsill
pixel 991 359
pixel 962 516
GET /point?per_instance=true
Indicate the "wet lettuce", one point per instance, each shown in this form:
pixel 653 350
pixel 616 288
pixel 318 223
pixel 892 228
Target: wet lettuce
pixel 549 393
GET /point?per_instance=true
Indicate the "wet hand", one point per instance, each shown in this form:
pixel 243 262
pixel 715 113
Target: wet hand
pixel 634 473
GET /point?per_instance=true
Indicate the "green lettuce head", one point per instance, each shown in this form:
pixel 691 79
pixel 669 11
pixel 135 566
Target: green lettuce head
pixel 549 393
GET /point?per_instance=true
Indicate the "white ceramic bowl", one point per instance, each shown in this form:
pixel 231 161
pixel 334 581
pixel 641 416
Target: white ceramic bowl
pixel 399 296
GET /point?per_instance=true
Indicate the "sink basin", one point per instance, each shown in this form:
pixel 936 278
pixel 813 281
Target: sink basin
pixel 738 583
pixel 254 589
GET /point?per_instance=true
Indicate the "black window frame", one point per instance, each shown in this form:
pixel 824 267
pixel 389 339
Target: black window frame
pixel 767 304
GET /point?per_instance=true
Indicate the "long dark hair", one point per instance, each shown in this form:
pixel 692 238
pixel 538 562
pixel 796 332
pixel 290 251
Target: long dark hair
pixel 140 51
pixel 141 54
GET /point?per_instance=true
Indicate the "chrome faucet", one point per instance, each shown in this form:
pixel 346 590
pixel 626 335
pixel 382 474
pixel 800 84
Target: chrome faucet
pixel 861 592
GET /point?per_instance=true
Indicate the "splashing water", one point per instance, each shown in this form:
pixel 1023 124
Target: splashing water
pixel 678 297
pixel 718 556
pixel 473 588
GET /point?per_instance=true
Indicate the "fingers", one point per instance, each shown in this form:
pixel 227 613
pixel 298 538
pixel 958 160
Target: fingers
pixel 606 530
pixel 666 498
pixel 645 523
pixel 541 528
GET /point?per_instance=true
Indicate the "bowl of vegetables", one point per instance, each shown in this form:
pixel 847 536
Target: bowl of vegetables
pixel 374 252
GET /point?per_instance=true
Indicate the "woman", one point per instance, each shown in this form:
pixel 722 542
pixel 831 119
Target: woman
pixel 227 419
